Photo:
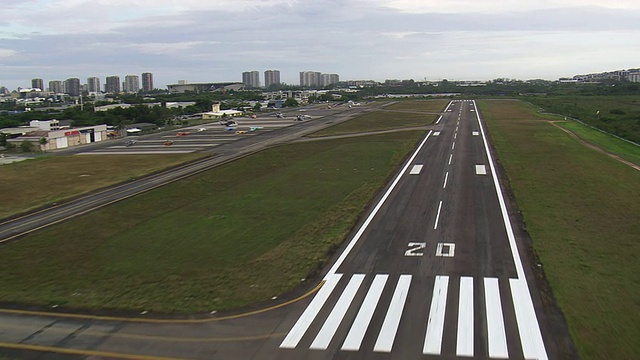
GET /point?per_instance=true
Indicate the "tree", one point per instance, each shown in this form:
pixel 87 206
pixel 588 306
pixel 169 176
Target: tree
pixel 3 139
pixel 26 146
pixel 291 102
pixel 257 107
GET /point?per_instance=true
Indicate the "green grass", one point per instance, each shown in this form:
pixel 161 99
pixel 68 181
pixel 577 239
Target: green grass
pixel 231 236
pixel 377 121
pixel 581 208
pixel 625 150
pixel 30 184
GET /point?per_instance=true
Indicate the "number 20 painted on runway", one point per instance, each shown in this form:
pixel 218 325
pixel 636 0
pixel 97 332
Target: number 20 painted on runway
pixel 414 249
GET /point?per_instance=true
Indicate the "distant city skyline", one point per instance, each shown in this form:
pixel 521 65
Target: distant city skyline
pixel 358 39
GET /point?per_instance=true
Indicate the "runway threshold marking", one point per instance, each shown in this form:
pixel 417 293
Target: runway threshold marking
pixel 435 324
pixel 387 334
pixel 295 334
pixel 365 314
pixel 330 326
pixel 464 345
pixel 496 334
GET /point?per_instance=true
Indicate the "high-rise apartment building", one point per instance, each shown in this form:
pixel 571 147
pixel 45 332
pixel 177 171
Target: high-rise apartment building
pixel 72 87
pixel 309 78
pixel 131 84
pixel 37 84
pixel 147 82
pixel 251 79
pixel 56 87
pixel 93 85
pixel 112 85
pixel 329 79
pixel 271 77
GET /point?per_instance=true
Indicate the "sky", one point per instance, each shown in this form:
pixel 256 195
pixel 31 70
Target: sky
pixel 216 40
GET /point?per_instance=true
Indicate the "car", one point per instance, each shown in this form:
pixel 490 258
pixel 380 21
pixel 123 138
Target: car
pixel 130 142
pixel 182 133
pixel 168 143
pixel 202 129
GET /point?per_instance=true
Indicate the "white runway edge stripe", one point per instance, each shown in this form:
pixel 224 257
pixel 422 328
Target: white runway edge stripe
pixel 528 327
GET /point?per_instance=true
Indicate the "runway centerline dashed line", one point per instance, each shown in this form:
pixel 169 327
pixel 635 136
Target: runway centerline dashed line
pixel 435 225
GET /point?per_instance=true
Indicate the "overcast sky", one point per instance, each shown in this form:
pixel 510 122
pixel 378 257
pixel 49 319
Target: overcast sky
pixel 216 40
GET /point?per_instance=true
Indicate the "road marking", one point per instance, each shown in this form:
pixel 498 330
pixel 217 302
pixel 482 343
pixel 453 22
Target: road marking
pixel 414 247
pixel 310 313
pixel 450 158
pixel 464 345
pixel 440 118
pixel 364 226
pixel 455 135
pixel 456 128
pixel 525 308
pixel 475 133
pixel 446 177
pixel 481 170
pixel 449 252
pixel 530 336
pixel 436 133
pixel 435 225
pixel 497 338
pixel 453 146
pixel 416 170
pixel 361 323
pixel 387 334
pixel 435 324
pixel 322 340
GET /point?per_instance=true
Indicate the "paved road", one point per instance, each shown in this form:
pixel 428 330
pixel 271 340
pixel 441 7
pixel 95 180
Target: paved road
pixel 435 270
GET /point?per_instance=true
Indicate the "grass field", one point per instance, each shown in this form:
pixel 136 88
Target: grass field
pixel 30 184
pixel 625 150
pixel 619 115
pixel 581 209
pixel 399 115
pixel 234 235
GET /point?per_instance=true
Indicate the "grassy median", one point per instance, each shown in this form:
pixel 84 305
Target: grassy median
pixel 581 208
pixel 231 236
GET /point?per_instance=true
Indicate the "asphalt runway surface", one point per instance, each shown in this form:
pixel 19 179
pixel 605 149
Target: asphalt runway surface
pixel 436 269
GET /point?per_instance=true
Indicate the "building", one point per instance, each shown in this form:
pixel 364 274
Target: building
pixel 329 79
pixel 56 87
pixel 37 84
pixel 46 125
pixel 58 139
pixel 112 85
pixel 72 87
pixel 251 79
pixel 309 78
pixel 271 77
pixel 147 82
pixel 131 84
pixel 216 113
pixel 634 77
pixel 186 87
pixel 93 85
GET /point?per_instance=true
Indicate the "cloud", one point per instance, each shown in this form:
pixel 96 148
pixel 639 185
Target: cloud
pixel 497 6
pixel 7 52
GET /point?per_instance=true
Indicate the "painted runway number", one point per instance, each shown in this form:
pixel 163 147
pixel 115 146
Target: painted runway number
pixel 414 249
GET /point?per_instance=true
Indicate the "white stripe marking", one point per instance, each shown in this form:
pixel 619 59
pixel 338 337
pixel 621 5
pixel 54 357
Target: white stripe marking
pixel 455 135
pixel 436 133
pixel 481 170
pixel 435 325
pixel 446 177
pixel 495 322
pixel 475 133
pixel 415 170
pixel 451 249
pixel 440 118
pixel 364 226
pixel 387 334
pixel 530 336
pixel 525 302
pixel 361 323
pixel 453 146
pixel 322 340
pixel 464 345
pixel 450 158
pixel 435 225
pixel 305 320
